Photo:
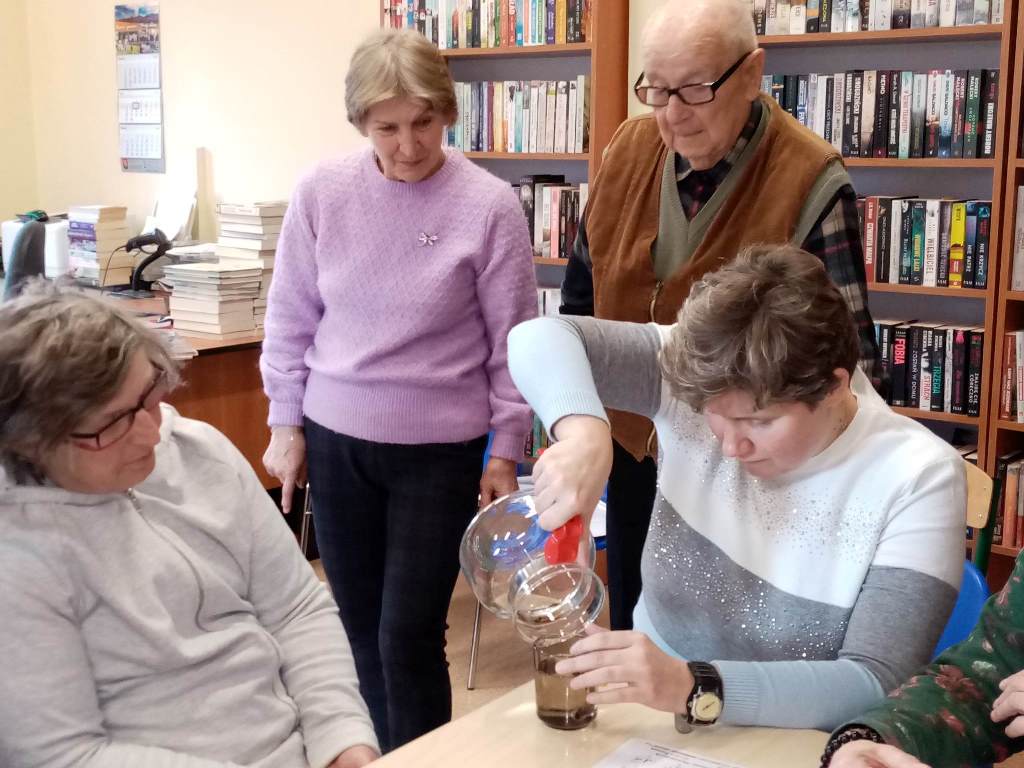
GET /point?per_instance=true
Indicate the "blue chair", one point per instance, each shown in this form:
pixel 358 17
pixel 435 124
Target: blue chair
pixel 973 594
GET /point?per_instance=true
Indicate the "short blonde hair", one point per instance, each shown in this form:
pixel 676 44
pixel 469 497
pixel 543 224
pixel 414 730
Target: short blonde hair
pixel 398 63
pixel 769 323
pixel 62 355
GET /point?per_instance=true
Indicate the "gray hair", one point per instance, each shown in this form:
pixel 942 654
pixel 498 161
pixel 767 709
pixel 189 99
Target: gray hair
pixel 398 63
pixel 728 22
pixel 62 355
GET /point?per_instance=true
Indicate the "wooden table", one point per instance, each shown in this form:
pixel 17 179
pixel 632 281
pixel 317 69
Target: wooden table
pixel 222 386
pixel 507 733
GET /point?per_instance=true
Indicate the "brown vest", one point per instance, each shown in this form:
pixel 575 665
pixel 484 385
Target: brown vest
pixel 622 224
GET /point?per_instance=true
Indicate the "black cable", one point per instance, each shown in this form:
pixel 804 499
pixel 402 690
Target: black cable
pixel 106 266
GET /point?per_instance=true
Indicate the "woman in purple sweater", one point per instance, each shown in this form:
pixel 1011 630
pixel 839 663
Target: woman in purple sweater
pixel 400 270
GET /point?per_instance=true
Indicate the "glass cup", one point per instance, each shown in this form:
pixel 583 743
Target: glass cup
pixel 558 705
pixel 552 608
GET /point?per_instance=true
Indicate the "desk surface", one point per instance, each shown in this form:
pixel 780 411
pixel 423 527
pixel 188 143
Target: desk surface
pixel 506 732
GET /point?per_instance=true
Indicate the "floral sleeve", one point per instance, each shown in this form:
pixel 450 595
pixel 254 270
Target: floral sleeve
pixel 942 716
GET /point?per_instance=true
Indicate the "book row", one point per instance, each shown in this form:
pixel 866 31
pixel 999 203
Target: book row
pixel 553 210
pixel 898 114
pixel 926 242
pixel 1008 528
pixel 522 116
pixel 492 23
pixel 931 366
pixel 797 17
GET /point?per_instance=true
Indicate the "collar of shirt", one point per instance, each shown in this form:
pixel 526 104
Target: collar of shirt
pixel 697 187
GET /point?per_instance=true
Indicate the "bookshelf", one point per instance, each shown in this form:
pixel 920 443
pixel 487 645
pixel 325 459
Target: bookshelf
pixel 602 56
pixel 1004 435
pixel 995 307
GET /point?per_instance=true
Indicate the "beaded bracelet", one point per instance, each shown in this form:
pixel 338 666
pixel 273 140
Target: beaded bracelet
pixel 853 733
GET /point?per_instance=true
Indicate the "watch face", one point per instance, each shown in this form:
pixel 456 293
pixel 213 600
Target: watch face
pixel 707 707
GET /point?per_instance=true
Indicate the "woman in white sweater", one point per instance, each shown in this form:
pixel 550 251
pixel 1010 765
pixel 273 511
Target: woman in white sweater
pixel 806 544
pixel 154 608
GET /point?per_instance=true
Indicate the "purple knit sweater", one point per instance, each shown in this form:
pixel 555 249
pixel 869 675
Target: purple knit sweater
pixel 391 304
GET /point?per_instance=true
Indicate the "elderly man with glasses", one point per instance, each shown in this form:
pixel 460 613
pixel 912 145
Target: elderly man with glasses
pixel 716 166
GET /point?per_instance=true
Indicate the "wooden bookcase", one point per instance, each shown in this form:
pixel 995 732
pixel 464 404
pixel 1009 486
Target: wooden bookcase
pixel 989 46
pixel 1003 435
pixel 603 55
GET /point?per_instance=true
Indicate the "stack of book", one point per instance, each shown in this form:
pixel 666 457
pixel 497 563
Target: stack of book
pixel 797 17
pixel 896 114
pixel 213 300
pixel 932 367
pixel 248 237
pixel 552 209
pixel 96 238
pixel 523 116
pixel 491 23
pixel 927 242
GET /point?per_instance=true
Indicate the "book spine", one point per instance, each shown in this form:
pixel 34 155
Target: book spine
pixel 825 15
pixel 981 245
pixel 987 117
pixel 1007 384
pixel 827 128
pixel 971 111
pixel 882 238
pixel 906 242
pixel 870 233
pixel 931 137
pixel 893 143
pixel 812 23
pixel 899 366
pixel 914 339
pixel 970 241
pixel 901 14
pixel 956 148
pixel 869 94
pixel 917 115
pixel 957 238
pixel 974 360
pixel 945 216
pixel 882 105
pixel 759 9
pixel 906 111
pixel 1017 273
pixel 924 401
pixel 918 215
pixel 931 243
pixel 958 402
pixel 857 106
pixel 938 357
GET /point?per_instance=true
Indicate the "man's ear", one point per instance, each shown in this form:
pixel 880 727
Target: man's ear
pixel 753 69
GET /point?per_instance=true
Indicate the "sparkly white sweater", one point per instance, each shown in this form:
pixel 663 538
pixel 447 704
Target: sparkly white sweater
pixel 812 593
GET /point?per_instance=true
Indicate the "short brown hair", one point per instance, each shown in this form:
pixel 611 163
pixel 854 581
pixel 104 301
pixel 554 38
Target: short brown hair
pixel 770 323
pixel 63 354
pixel 398 63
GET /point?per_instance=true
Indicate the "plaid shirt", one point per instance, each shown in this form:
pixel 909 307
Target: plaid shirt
pixel 835 239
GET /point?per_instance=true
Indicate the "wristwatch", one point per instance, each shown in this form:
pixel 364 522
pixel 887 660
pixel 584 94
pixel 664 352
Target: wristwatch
pixel 704 706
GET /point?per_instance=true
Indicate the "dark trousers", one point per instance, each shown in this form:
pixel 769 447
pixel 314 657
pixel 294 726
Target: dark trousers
pixel 631 489
pixel 389 519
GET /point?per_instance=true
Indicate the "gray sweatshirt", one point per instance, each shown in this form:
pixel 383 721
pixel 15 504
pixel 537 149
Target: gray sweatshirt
pixel 174 626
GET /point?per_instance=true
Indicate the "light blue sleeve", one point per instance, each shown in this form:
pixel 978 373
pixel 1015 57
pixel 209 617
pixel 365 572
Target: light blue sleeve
pixel 579 365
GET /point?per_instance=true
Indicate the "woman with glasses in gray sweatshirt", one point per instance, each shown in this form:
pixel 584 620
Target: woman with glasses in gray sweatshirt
pixel 155 608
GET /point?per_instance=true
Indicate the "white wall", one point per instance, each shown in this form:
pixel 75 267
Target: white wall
pixel 17 139
pixel 258 83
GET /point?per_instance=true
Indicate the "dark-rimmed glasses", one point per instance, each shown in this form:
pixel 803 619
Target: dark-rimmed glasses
pixel 690 93
pixel 122 424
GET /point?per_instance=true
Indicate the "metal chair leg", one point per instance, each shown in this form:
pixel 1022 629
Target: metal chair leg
pixel 306 524
pixel 474 649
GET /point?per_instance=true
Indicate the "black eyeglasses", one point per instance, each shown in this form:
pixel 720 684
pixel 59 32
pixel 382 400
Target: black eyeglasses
pixel 690 93
pixel 121 426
